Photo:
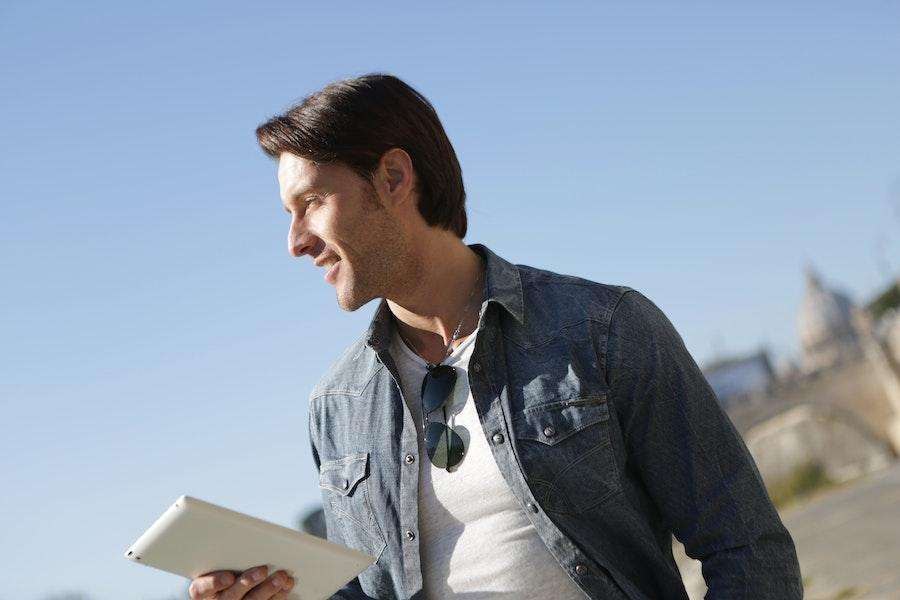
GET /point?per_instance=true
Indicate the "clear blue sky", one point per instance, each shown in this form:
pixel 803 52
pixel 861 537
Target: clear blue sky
pixel 155 337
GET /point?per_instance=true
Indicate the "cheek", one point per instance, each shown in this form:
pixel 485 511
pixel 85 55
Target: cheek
pixel 324 223
pixel 350 238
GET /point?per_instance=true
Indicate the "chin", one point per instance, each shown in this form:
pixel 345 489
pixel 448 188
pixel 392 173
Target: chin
pixel 350 301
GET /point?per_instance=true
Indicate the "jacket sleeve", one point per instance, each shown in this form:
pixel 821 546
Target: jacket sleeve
pixel 351 591
pixel 692 460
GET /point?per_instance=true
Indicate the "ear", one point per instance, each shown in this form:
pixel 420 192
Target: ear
pixel 395 174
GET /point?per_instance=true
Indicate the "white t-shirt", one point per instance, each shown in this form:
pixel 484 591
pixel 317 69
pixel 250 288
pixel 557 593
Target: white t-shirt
pixel 474 538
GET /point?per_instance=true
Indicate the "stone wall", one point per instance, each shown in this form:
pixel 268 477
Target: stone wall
pixel 853 387
pixel 816 433
pixel 839 418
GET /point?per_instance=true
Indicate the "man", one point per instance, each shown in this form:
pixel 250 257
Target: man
pixel 499 431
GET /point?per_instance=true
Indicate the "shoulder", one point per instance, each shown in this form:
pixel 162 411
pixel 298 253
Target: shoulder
pixel 638 318
pixel 547 292
pixel 350 373
pixel 555 301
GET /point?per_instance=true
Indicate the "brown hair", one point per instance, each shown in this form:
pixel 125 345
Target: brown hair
pixel 355 121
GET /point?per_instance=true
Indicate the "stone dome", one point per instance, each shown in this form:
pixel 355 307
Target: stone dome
pixel 825 325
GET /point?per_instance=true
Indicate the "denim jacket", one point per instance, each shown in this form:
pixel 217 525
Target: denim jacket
pixel 600 422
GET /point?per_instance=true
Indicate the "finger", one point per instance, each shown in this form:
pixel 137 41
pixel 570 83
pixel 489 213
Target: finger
pixel 205 586
pixel 271 586
pixel 246 581
pixel 285 590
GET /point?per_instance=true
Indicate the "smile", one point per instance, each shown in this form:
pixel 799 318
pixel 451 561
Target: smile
pixel 331 274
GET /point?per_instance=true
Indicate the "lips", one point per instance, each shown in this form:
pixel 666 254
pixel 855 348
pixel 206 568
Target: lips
pixel 331 274
pixel 329 261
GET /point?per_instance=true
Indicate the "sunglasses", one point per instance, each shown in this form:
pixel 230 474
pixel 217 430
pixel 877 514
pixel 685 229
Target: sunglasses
pixel 444 446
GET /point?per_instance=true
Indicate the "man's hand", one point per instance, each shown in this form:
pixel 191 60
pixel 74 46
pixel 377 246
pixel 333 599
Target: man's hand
pixel 252 584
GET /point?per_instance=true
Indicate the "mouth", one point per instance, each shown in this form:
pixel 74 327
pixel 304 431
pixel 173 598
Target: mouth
pixel 331 274
pixel 330 262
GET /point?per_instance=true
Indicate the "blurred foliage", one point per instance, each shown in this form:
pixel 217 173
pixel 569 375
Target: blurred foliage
pixel 802 482
pixel 886 300
pixel 313 522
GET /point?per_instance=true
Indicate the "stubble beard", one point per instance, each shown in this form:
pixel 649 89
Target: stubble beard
pixel 383 260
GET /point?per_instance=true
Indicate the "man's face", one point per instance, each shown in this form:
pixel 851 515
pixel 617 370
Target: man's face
pixel 338 219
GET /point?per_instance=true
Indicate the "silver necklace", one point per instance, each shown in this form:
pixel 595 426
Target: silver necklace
pixel 449 349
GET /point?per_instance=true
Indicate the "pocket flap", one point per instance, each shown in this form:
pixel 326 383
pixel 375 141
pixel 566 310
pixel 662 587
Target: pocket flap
pixel 342 475
pixel 553 423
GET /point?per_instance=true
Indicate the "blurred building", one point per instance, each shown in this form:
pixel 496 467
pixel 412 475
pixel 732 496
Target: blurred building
pixel 738 378
pixel 825 326
pixel 840 406
pixel 888 329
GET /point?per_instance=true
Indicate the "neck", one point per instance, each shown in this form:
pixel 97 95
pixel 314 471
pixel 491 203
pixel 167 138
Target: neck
pixel 441 294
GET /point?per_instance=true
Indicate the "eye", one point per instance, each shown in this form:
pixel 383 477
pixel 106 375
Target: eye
pixel 311 200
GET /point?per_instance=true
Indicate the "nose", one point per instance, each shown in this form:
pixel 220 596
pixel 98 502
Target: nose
pixel 300 240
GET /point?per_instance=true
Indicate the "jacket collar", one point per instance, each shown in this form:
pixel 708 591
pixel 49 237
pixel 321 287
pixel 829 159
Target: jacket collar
pixel 503 286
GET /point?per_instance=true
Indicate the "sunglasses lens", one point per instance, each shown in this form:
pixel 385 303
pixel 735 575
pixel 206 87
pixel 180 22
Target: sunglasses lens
pixel 444 446
pixel 437 387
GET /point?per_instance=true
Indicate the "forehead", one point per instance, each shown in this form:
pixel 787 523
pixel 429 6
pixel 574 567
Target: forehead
pixel 296 174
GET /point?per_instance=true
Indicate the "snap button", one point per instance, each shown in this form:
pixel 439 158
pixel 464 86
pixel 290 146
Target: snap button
pixel 498 438
pixel 409 459
pixel 532 507
pixel 549 431
pixel 581 570
pixel 477 367
pixel 411 536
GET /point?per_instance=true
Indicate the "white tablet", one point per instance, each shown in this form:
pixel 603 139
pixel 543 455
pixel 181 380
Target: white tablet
pixel 194 537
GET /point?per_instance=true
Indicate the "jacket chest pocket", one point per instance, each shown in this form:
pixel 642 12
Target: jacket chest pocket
pixel 564 448
pixel 345 495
